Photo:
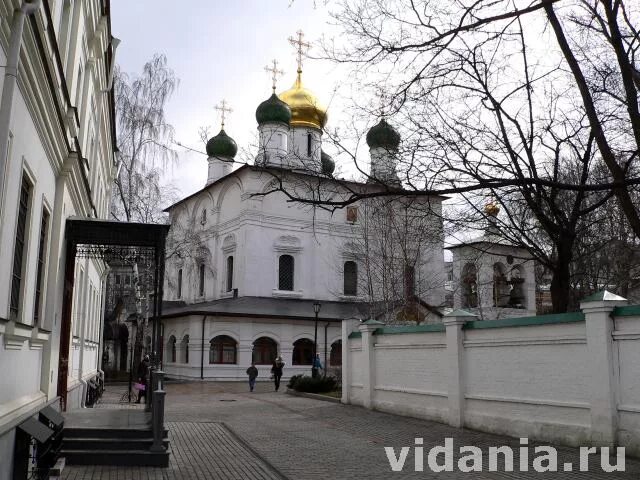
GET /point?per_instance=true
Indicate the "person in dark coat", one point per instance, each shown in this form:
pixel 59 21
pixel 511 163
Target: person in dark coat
pixel 276 371
pixel 252 371
pixel 143 374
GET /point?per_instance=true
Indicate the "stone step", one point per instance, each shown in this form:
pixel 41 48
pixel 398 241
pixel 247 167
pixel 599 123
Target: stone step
pixel 114 433
pixel 142 458
pixel 110 443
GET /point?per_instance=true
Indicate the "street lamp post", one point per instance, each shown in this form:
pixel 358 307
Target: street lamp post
pixel 314 370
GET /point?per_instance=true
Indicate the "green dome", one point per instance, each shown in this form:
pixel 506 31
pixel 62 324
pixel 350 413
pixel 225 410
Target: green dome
pixel 222 145
pixel 383 135
pixel 328 165
pixel 273 110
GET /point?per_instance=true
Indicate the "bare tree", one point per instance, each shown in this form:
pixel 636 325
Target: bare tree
pixel 144 139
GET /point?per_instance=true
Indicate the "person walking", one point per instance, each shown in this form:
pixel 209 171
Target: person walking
pixel 317 365
pixel 143 373
pixel 276 371
pixel 252 371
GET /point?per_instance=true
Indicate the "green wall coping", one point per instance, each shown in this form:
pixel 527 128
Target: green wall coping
pixel 355 335
pixel 571 317
pixel 628 311
pixel 437 327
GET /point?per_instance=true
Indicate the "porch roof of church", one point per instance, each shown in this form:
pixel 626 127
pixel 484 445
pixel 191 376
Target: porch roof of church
pixel 268 307
pixel 271 168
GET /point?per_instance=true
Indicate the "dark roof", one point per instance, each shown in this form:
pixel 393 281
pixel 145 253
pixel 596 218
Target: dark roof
pixel 290 308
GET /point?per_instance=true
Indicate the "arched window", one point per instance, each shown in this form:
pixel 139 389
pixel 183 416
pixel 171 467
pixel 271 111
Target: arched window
pixel 180 283
pixel 517 295
pixel 229 273
pixel 223 349
pixel 265 351
pixel 501 290
pixel 308 144
pixel 335 358
pixel 171 348
pixel 285 272
pixel 350 278
pixel 302 352
pixel 184 348
pixel 469 286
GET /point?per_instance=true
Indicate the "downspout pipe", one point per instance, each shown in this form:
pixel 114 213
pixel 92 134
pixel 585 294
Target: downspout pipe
pixel 202 350
pixel 324 371
pixel 8 89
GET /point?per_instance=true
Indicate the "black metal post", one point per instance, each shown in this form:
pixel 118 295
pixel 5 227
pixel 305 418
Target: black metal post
pixel 324 370
pixel 314 369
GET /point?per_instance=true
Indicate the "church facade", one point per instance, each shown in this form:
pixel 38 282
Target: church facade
pixel 247 267
pixel 255 269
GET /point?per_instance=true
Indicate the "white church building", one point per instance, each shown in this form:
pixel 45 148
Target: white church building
pixel 246 265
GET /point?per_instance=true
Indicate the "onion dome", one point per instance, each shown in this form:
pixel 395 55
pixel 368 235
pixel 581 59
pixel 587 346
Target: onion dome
pixel 273 110
pixel 222 145
pixel 328 165
pixel 306 110
pixel 383 135
pixel 492 209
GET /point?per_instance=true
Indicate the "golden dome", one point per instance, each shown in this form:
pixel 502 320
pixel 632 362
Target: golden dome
pixel 306 110
pixel 492 209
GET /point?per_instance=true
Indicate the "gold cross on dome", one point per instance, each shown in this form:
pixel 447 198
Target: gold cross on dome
pixel 223 108
pixel 275 72
pixel 300 46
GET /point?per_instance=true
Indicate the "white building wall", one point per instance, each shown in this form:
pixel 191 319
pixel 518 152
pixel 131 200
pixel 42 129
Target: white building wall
pixel 42 146
pixel 245 331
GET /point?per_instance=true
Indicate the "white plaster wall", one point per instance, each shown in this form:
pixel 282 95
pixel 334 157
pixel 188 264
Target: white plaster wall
pixel 244 331
pixel 530 379
pixel 356 360
pixel 410 374
pixel 627 343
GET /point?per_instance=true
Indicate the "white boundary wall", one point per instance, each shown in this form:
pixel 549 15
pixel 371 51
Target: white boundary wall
pixel 570 378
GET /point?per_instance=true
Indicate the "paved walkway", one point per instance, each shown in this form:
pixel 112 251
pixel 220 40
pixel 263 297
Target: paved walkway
pixel 220 431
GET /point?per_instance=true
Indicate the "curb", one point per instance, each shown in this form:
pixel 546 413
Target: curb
pixel 314 396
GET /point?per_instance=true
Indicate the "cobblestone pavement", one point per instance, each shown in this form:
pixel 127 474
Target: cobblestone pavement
pixel 310 439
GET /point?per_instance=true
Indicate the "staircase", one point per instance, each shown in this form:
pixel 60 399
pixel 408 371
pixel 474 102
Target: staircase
pixel 112 446
pixel 116 443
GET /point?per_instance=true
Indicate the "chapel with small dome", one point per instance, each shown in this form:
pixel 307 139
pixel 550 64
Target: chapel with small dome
pixel 251 268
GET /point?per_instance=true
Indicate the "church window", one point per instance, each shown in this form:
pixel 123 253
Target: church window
pixel 229 273
pixel 350 278
pixel 20 242
pixel 203 216
pixel 469 286
pixel 308 144
pixel 335 357
pixel 285 272
pixel 352 214
pixel 265 351
pixel 117 279
pixel 302 352
pixel 185 349
pixel 201 286
pixel 171 348
pixel 44 225
pixel 127 280
pixel 180 283
pixel 223 349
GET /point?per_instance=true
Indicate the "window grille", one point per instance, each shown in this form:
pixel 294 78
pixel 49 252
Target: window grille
pixel 18 252
pixel 41 264
pixel 229 273
pixel 285 272
pixel 350 278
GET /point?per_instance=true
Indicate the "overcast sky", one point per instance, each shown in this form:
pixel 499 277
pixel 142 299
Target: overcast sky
pixel 219 49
